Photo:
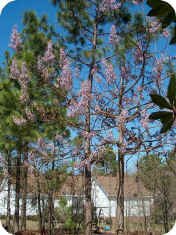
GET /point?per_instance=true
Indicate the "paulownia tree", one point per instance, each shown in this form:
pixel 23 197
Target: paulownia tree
pixel 112 50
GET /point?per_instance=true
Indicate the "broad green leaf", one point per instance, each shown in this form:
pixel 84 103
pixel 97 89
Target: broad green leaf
pixel 167 124
pixel 153 4
pixel 160 101
pixel 171 92
pixel 161 115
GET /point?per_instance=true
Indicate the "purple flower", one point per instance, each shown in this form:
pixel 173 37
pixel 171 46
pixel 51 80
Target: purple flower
pixel 80 106
pixel 14 71
pixel 19 121
pixel 109 71
pixel 113 38
pixel 65 80
pixel 15 41
pixel 49 55
pixel 109 5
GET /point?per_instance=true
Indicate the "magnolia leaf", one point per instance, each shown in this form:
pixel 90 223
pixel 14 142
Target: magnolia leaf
pixel 165 13
pixel 161 115
pixel 167 124
pixel 171 92
pixel 160 101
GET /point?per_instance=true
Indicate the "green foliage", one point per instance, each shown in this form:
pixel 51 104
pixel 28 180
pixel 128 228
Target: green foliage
pixel 65 215
pixel 108 164
pixel 167 117
pixel 165 13
pixel 156 176
pixel 55 178
pixel 160 101
pixel 171 92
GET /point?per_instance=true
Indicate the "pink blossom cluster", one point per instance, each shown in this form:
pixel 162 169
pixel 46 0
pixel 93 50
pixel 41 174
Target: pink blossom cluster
pixel 49 55
pixel 22 76
pixel 14 71
pixel 138 54
pixel 43 70
pixel 65 79
pixel 113 38
pixel 109 71
pixel 83 163
pixel 123 116
pixel 29 114
pixel 19 121
pixel 95 155
pixel 15 41
pixel 88 135
pixel 109 5
pixel 158 70
pixel 144 119
pixel 79 107
pixel 47 59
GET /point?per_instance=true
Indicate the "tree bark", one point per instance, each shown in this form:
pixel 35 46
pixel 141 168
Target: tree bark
pixel 120 195
pixel 24 195
pixel 17 192
pixel 120 213
pixel 41 226
pixel 8 191
pixel 51 213
pixel 88 201
pixel 88 182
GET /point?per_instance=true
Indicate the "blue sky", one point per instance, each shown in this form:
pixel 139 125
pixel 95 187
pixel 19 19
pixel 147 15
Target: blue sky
pixel 13 15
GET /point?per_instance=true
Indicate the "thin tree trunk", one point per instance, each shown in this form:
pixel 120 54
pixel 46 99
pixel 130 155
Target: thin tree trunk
pixel 41 226
pixel 17 192
pixel 88 182
pixel 51 206
pixel 8 191
pixel 24 195
pixel 88 202
pixel 120 213
pixel 51 213
pixel 165 210
pixel 120 195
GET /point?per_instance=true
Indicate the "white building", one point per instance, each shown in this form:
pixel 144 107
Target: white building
pixel 137 203
pixel 138 200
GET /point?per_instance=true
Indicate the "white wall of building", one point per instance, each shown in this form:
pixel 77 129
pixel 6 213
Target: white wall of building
pixel 133 207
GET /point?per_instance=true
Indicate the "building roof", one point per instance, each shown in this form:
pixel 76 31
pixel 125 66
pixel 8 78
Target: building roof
pixel 132 187
pixel 74 185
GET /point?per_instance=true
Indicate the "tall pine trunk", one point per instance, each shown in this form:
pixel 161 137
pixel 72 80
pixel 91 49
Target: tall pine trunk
pixel 8 191
pixel 88 201
pixel 17 192
pixel 88 177
pixel 41 226
pixel 51 213
pixel 24 194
